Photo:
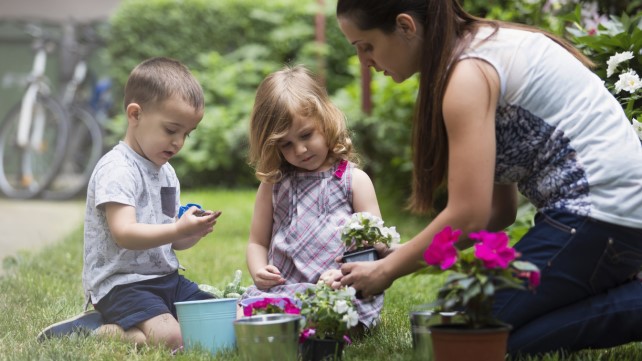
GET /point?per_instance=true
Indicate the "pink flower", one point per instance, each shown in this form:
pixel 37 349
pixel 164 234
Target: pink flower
pixel 493 249
pixel 306 334
pixel 271 305
pixel 441 250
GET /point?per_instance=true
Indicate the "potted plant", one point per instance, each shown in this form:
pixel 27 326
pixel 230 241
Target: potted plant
pixel 361 233
pixel 474 277
pixel 329 315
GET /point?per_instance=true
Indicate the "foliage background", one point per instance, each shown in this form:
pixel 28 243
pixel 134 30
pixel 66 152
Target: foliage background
pixel 231 45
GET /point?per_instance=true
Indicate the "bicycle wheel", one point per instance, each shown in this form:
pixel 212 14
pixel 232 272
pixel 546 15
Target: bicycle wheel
pixel 25 171
pixel 84 149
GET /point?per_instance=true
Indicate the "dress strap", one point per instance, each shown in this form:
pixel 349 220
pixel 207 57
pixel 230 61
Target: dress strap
pixel 341 169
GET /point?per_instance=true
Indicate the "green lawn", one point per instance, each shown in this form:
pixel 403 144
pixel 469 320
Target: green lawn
pixel 43 288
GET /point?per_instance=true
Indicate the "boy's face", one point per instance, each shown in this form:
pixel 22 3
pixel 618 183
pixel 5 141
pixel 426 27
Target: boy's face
pixel 158 131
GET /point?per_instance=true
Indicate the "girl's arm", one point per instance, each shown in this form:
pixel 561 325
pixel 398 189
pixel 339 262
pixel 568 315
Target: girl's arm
pixel 364 198
pixel 129 234
pixel 469 114
pixel 263 274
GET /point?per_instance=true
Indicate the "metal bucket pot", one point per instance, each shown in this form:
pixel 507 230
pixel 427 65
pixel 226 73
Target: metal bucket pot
pixel 268 337
pixel 420 322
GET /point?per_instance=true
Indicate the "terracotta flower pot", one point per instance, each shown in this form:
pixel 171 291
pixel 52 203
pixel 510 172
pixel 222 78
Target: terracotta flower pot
pixel 322 350
pixel 456 342
pixel 361 255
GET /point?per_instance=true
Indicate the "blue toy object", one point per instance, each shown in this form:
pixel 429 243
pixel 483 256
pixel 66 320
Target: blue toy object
pixel 184 208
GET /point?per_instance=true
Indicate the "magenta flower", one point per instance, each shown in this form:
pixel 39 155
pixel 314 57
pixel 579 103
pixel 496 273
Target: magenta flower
pixel 493 249
pixel 291 308
pixel 476 276
pixel 442 250
pixel 532 276
pixel 306 334
pixel 271 305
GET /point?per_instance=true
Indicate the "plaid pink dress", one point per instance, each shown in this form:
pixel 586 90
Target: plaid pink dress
pixel 309 209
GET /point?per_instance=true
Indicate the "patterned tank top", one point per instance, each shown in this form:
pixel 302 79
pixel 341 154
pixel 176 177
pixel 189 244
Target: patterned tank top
pixel 309 210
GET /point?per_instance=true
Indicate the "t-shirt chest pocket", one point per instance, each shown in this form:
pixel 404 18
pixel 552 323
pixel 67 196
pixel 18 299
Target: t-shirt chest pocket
pixel 168 201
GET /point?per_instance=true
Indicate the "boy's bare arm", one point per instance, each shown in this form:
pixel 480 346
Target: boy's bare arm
pixel 130 234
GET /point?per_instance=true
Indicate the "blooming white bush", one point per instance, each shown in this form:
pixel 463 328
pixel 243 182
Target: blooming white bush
pixel 329 313
pixel 365 229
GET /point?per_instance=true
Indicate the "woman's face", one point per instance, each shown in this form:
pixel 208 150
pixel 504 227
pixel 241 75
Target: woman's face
pixel 397 54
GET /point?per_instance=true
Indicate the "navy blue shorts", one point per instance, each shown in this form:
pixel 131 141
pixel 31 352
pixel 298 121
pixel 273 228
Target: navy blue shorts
pixel 130 304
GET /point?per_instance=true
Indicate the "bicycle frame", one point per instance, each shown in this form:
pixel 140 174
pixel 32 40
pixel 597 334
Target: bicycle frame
pixel 28 101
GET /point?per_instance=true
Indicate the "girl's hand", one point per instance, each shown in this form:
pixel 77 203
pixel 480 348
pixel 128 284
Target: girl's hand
pixel 268 277
pixel 332 278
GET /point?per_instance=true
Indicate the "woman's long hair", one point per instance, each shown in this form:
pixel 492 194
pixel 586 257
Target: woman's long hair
pixel 447 31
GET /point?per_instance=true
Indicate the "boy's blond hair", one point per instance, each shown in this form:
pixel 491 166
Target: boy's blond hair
pixel 157 79
pixel 280 96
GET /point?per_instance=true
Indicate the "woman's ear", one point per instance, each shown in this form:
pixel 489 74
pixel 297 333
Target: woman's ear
pixel 406 24
pixel 133 112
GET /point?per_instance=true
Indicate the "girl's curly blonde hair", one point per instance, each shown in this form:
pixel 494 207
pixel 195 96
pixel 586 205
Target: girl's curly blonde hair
pixel 292 91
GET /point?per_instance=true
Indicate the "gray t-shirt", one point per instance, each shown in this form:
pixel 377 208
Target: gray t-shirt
pixel 123 176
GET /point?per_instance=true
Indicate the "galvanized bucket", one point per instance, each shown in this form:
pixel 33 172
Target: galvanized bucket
pixel 420 321
pixel 268 337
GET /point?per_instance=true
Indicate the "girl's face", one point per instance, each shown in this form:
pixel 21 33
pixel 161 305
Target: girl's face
pixel 158 132
pixel 397 54
pixel 304 146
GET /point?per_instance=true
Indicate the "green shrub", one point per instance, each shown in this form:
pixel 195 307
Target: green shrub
pixel 230 45
pixel 620 35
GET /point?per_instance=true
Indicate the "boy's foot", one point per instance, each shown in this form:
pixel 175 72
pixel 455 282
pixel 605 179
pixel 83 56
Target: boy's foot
pixel 83 323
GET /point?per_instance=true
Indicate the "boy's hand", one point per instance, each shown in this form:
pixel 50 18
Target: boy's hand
pixel 268 277
pixel 194 225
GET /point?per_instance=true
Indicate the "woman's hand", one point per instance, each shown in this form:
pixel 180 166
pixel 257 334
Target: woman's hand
pixel 268 277
pixel 368 278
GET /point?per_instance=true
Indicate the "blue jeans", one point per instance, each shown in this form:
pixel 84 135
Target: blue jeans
pixel 589 296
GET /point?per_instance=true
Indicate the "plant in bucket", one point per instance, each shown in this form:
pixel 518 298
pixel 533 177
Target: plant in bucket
pixel 361 233
pixel 329 315
pixel 268 305
pixel 474 277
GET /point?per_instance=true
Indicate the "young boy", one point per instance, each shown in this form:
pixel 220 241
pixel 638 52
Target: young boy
pixel 130 272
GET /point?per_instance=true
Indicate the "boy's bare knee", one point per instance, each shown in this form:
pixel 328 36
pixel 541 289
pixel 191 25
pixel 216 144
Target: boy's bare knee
pixel 163 330
pixel 114 331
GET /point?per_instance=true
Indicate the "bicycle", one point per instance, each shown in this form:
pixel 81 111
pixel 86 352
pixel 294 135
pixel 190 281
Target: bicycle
pixel 85 145
pixel 33 135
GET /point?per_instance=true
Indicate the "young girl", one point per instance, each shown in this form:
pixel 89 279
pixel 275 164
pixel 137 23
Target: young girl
pixel 301 152
pixel 504 107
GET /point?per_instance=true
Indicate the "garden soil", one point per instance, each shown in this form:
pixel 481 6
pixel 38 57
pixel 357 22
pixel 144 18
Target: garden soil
pixel 29 226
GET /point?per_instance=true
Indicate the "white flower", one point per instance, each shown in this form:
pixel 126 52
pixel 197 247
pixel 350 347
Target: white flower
pixel 347 292
pixel 351 318
pixel 629 81
pixel 356 226
pixel 340 307
pixel 391 232
pixel 637 126
pixel 615 60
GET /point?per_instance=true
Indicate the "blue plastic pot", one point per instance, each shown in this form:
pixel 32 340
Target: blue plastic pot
pixel 208 324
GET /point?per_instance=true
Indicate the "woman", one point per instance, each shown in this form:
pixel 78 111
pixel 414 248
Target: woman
pixel 501 108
